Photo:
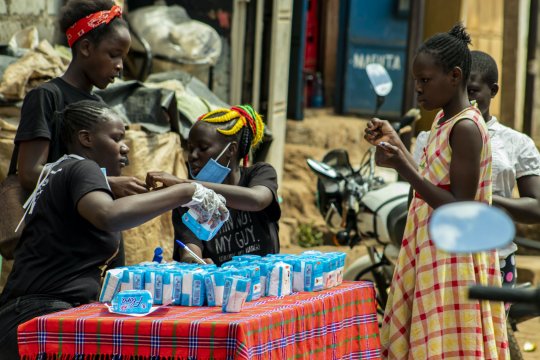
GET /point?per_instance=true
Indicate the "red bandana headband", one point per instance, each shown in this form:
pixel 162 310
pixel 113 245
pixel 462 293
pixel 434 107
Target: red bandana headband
pixel 90 22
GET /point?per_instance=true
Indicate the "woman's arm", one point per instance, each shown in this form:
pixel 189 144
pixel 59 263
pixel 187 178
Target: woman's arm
pixel 256 198
pixel 32 156
pixel 107 214
pixel 526 208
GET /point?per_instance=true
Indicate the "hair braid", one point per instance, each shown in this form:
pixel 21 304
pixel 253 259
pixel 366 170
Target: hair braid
pixel 82 115
pixel 240 121
pixel 451 49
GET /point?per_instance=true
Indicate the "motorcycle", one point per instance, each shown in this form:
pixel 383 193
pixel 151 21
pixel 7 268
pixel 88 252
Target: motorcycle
pixel 484 228
pixel 358 205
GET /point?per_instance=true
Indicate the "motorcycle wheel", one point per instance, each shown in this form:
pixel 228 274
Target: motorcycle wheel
pixel 513 345
pixel 382 284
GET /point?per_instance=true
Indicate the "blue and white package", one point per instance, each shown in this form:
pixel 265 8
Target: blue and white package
pixel 254 274
pixel 279 282
pixel 132 302
pixel 235 293
pixel 340 265
pixel 159 283
pixel 307 275
pixel 111 284
pixel 214 285
pixel 329 271
pixel 177 276
pixel 193 288
pixel 133 279
pixel 202 231
pixel 264 268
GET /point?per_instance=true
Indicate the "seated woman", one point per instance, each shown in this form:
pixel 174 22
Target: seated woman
pixel 216 144
pixel 73 227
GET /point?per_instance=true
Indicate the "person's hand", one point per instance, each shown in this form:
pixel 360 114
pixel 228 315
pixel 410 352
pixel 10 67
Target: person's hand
pixel 122 186
pixel 388 155
pixel 159 179
pixel 209 206
pixel 221 213
pixel 378 130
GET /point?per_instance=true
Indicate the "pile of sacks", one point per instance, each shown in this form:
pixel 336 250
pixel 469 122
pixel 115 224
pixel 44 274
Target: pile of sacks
pixel 245 278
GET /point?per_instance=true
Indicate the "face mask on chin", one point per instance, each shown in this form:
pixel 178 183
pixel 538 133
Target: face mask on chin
pixel 213 171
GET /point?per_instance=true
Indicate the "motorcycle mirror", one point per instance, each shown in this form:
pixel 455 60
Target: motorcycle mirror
pixel 379 78
pixel 470 226
pixel 323 169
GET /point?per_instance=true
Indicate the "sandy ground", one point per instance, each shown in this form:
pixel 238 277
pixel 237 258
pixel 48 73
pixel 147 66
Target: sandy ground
pixel 321 131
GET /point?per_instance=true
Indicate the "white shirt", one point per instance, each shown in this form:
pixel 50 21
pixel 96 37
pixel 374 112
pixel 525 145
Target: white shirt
pixel 514 155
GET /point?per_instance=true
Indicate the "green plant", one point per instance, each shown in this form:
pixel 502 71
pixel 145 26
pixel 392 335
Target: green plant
pixel 307 236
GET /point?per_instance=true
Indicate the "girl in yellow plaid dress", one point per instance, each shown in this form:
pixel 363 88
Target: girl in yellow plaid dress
pixel 428 314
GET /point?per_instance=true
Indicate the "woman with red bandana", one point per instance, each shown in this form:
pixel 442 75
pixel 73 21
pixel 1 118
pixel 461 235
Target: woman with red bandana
pixel 99 39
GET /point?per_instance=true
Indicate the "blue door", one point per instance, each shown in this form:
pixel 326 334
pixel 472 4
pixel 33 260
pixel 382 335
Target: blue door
pixel 373 31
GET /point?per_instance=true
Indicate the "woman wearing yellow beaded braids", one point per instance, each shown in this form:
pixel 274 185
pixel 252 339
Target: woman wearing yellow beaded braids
pixel 216 144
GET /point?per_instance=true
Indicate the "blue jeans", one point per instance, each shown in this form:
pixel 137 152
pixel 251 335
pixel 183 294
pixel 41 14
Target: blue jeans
pixel 20 310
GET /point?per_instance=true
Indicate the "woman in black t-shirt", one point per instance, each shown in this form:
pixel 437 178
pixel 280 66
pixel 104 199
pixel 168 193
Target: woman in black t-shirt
pixel 99 39
pixel 217 142
pixel 74 228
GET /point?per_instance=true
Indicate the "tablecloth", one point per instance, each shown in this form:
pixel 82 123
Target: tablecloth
pixel 339 323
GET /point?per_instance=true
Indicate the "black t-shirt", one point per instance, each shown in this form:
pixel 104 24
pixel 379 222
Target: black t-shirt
pixel 245 232
pixel 37 120
pixel 60 253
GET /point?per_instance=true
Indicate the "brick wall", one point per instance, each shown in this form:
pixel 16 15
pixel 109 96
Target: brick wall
pixel 19 14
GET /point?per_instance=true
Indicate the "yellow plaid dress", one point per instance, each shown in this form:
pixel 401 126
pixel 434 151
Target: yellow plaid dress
pixel 428 315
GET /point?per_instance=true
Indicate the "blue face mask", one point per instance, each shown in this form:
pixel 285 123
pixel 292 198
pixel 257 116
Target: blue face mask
pixel 213 171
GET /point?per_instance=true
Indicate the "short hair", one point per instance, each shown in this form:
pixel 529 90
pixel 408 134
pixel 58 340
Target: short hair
pixel 485 65
pixel 75 10
pixel 240 121
pixel 450 49
pixel 83 115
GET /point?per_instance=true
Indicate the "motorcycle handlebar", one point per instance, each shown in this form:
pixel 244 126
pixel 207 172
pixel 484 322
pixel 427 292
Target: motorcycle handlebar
pixel 529 296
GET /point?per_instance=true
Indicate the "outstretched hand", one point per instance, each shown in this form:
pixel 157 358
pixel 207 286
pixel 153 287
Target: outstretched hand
pixel 210 206
pixel 378 130
pixel 159 179
pixel 122 186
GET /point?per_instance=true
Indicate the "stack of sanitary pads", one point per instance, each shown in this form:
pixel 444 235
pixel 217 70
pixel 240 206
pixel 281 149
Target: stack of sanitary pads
pixel 245 278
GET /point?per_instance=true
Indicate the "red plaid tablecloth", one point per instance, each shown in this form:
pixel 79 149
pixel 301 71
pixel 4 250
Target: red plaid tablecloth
pixel 340 323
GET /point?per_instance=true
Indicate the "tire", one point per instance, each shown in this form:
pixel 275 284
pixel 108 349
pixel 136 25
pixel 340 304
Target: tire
pixel 513 345
pixel 381 285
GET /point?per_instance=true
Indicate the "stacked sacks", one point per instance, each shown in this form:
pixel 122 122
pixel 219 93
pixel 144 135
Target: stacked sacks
pixel 195 285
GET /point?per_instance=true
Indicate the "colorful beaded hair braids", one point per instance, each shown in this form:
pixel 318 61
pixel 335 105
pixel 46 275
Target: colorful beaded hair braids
pixel 246 123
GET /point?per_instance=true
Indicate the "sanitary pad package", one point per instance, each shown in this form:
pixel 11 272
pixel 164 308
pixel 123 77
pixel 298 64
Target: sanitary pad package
pixel 132 302
pixel 193 288
pixel 133 279
pixel 176 286
pixel 278 282
pixel 307 274
pixel 214 286
pixel 111 284
pixel 235 293
pixel 202 231
pixel 159 283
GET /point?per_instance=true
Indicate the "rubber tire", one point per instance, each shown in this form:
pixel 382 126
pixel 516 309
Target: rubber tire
pixel 513 345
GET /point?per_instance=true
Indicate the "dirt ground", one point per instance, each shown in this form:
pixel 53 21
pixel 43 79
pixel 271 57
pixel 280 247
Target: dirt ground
pixel 320 131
